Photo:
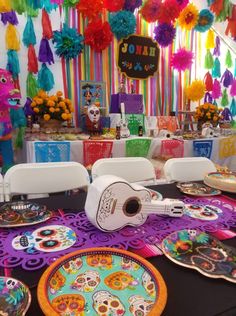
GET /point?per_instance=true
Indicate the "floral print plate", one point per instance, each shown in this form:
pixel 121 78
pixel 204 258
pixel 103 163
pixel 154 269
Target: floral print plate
pixel 200 251
pixel 197 189
pixel 23 213
pixel 102 282
pixel 15 297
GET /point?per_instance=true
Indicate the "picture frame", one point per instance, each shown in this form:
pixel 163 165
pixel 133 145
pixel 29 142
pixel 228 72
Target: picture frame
pixel 92 92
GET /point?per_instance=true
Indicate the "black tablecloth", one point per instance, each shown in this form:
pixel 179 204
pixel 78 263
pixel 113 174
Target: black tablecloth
pixel 189 292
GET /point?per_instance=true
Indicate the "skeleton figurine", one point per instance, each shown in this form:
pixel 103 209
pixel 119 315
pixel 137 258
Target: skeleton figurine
pixel 93 120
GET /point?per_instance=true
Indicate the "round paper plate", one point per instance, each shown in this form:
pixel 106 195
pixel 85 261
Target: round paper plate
pixel 198 250
pixel 103 282
pixel 197 189
pixel 15 297
pixel 23 213
pixel 156 195
pixel 221 180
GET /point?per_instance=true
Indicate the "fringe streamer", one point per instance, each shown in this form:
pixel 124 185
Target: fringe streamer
pixel 31 85
pixel 216 71
pixel 13 63
pixel 45 78
pixel 12 38
pixel 29 34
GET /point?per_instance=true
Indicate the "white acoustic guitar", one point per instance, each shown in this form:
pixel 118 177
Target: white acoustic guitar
pixel 113 203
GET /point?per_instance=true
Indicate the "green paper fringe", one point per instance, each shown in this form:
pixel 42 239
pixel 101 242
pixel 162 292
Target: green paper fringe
pixel 209 61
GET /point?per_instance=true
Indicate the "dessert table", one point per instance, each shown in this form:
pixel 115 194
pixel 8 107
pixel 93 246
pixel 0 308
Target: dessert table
pixel 189 292
pixel 222 150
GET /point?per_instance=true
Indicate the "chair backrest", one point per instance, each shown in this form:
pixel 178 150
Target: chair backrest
pixel 48 177
pixel 132 169
pixel 188 169
pixel 1 188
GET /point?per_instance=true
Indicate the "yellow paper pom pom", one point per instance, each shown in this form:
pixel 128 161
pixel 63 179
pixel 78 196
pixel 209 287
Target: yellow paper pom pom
pixel 188 17
pixel 12 38
pixel 195 91
pixel 210 40
pixel 5 6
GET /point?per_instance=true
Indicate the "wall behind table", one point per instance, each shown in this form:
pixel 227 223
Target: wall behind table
pixel 162 93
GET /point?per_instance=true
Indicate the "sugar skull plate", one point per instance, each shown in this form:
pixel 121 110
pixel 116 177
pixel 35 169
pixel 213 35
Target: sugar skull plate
pixel 197 189
pixel 15 297
pixel 23 213
pixel 103 282
pixel 198 250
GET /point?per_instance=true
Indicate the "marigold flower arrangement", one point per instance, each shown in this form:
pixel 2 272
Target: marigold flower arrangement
pixel 50 107
pixel 207 112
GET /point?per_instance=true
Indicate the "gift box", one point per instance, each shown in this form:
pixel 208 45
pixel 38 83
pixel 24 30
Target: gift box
pixel 133 103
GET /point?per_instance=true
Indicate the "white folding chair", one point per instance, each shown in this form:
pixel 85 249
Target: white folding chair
pixel 132 169
pixel 1 188
pixel 41 178
pixel 188 168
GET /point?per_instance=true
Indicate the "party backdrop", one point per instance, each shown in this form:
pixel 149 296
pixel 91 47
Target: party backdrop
pixel 32 32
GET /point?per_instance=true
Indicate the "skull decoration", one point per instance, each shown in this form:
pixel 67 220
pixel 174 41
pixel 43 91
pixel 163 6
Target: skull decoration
pixel 72 266
pixel 86 282
pixel 93 119
pixel 148 284
pixel 69 304
pixel 206 212
pixel 128 264
pixel 106 304
pixel 165 133
pixel 139 305
pixel 11 283
pixel 47 239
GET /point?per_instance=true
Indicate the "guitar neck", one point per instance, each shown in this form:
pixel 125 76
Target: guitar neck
pixel 174 208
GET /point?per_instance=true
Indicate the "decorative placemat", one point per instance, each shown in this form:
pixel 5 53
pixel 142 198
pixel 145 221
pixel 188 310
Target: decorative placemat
pixel 152 232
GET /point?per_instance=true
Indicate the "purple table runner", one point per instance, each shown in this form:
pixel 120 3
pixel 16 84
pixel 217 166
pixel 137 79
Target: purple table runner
pixel 152 232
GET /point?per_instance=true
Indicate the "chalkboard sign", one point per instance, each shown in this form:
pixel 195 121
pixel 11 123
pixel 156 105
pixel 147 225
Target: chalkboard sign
pixel 138 56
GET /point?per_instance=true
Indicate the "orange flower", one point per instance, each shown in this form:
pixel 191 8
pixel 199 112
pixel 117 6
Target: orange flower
pixel 64 116
pixel 52 110
pixel 33 104
pixel 59 93
pixel 36 110
pixel 46 117
pixel 51 103
pixel 61 104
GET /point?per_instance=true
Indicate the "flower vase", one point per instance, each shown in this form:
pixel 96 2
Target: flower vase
pixel 199 125
pixel 53 124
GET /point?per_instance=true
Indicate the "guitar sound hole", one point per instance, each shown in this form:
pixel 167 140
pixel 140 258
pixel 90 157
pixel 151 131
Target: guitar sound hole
pixel 132 207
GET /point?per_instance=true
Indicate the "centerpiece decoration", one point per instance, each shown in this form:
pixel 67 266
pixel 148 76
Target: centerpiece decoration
pixel 52 110
pixel 207 112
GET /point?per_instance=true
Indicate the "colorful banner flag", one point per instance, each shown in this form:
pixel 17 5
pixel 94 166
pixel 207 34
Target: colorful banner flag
pixel 137 147
pixel 202 148
pixel 227 147
pixel 52 151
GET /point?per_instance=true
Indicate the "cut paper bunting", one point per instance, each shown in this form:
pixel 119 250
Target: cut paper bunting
pixel 94 150
pixel 172 148
pixel 52 151
pixel 137 147
pixel 167 122
pixel 202 148
pixel 227 147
